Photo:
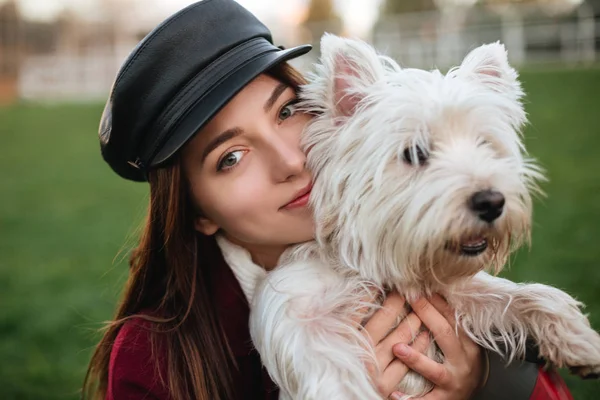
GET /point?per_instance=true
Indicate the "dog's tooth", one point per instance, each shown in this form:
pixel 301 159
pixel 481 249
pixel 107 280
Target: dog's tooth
pixel 474 242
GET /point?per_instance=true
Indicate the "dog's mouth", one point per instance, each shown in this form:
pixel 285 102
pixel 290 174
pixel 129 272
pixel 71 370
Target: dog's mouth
pixel 474 247
pixel 470 247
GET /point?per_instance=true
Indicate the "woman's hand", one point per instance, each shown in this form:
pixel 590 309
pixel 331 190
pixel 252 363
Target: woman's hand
pixel 461 373
pixel 382 334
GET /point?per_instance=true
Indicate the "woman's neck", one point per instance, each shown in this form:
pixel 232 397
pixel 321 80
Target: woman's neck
pixel 265 256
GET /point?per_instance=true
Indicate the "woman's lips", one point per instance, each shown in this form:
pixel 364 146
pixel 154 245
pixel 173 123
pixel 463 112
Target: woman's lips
pixel 301 198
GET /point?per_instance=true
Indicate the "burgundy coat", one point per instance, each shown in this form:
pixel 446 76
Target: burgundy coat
pixel 132 374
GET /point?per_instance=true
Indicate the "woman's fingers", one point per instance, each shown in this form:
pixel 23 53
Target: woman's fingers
pixel 455 378
pixel 392 376
pixel 460 373
pixel 444 308
pixel 443 332
pixel 396 370
pixel 366 305
pixel 405 332
pixel 385 318
pixel 435 372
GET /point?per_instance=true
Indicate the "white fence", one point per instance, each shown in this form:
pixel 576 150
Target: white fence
pixel 441 39
pixel 437 39
pixel 69 76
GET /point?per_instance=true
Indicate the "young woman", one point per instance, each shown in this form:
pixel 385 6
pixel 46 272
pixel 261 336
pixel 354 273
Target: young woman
pixel 203 111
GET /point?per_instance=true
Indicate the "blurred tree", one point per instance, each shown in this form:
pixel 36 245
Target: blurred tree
pixel 68 31
pixel 558 8
pixel 10 50
pixel 494 2
pixel 321 17
pixel 321 11
pixel 595 5
pixel 8 9
pixel 392 7
pixel 566 4
pixel 9 38
pixel 522 1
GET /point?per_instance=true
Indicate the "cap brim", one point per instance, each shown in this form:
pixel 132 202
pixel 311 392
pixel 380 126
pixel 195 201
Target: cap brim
pixel 218 97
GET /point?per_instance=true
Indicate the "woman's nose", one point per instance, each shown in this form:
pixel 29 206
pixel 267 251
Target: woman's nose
pixel 288 160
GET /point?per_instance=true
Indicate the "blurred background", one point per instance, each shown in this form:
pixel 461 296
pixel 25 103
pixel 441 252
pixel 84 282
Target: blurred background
pixel 67 222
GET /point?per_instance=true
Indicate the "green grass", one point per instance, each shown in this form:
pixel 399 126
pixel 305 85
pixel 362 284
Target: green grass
pixel 65 219
pixel 564 136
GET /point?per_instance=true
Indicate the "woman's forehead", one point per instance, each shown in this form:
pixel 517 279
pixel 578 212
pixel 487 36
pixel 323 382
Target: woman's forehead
pixel 242 109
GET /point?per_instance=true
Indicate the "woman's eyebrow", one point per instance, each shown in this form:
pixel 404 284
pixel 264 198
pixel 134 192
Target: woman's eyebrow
pixel 279 89
pixel 220 139
pixel 233 132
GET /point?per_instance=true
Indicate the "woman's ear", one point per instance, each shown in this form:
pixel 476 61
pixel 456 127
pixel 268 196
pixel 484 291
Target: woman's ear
pixel 205 226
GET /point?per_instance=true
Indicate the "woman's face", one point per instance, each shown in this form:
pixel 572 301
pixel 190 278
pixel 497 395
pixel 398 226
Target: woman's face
pixel 247 171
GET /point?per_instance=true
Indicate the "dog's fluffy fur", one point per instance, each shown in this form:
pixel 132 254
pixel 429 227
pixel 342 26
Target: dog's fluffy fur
pixel 397 156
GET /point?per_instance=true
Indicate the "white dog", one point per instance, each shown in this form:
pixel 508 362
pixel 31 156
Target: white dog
pixel 421 183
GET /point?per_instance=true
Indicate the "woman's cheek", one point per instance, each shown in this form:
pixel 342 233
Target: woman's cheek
pixel 250 195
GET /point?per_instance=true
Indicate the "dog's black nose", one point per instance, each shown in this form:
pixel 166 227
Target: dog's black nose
pixel 487 204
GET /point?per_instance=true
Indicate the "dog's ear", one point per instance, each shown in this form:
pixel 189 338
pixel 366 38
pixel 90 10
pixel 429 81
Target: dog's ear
pixel 489 64
pixel 350 66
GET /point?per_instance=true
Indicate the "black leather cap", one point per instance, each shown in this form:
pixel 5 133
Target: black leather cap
pixel 178 77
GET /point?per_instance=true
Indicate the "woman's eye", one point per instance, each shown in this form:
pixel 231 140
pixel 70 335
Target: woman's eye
pixel 287 111
pixel 230 160
pixel 415 155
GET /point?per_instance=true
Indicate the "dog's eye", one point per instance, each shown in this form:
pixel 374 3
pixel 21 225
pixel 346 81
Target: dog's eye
pixel 415 155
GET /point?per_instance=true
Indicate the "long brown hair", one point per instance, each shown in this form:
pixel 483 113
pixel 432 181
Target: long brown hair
pixel 169 277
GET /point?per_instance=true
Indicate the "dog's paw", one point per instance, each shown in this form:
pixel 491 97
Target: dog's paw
pixel 577 348
pixel 586 372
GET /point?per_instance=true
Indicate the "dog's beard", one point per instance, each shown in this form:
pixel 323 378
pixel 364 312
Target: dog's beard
pixel 444 262
pixel 436 245
pixel 470 247
pixel 463 257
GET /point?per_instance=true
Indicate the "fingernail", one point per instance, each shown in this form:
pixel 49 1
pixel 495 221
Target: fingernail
pixel 397 396
pixel 414 300
pixel 401 350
